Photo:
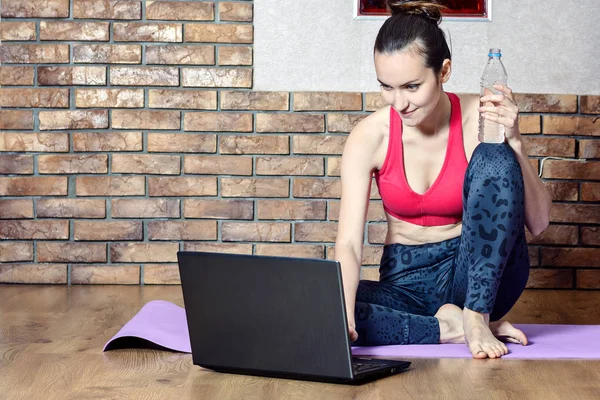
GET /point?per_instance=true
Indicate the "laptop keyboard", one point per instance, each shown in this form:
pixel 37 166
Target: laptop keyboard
pixel 367 364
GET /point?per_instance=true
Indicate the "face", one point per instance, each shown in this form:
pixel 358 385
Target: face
pixel 408 85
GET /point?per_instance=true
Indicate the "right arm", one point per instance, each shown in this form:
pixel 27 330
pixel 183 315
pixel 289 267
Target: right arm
pixel 356 172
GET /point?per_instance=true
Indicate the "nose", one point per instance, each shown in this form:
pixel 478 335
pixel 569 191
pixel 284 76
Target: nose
pixel 400 102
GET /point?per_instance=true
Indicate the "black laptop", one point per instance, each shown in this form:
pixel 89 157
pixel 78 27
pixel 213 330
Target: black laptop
pixel 272 316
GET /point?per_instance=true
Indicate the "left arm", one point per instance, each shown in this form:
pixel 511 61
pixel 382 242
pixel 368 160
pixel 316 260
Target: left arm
pixel 537 198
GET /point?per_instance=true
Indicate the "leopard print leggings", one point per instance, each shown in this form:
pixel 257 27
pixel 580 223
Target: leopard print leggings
pixel 485 269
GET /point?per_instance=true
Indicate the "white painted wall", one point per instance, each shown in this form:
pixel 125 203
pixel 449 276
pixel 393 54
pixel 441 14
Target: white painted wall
pixel 549 46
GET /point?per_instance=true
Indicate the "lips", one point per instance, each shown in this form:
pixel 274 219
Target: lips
pixel 408 114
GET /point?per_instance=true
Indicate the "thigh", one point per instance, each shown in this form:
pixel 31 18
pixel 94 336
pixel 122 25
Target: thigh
pixel 392 296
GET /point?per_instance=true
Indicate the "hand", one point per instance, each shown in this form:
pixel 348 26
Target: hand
pixel 502 108
pixel 352 334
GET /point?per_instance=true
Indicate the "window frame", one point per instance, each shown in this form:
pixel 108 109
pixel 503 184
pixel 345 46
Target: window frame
pixel 487 18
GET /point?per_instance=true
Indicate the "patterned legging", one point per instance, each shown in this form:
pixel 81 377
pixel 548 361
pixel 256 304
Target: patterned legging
pixel 485 269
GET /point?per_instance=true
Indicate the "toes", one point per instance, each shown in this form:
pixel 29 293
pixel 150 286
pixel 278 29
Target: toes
pixel 477 351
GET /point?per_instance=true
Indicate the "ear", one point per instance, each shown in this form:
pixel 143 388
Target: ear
pixel 446 70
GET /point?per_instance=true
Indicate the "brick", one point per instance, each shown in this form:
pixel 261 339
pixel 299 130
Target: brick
pixel 33 273
pixel 374 101
pixel 317 187
pixel 529 124
pixel 563 191
pixel 144 76
pixel 537 146
pixel 562 125
pixel 216 121
pixel 145 208
pixel 251 100
pixel 38 98
pixel 290 166
pixel 334 166
pixel 35 8
pixel 290 250
pixel 27 229
pixel 107 53
pixel 182 230
pixel 184 10
pixel 561 169
pixel 144 119
pixel 229 11
pixel 180 55
pixel 80 31
pixel 146 32
pixel 144 252
pixel 72 76
pixel 182 186
pixel 16 164
pixel 588 279
pixel 290 122
pixel 107 9
pixel 17 31
pixel 145 164
pixel 161 274
pixel 71 252
pixel 292 209
pixel 218 165
pixel 376 233
pixel 590 235
pixel 255 187
pixel 34 186
pixel 17 208
pixel 589 149
pixel 217 77
pixel 556 234
pixel 302 144
pixel 369 273
pixel 590 191
pixel 375 211
pixel 343 122
pixel 73 164
pixel 256 231
pixel 38 142
pixel 107 141
pixel 254 144
pixel 590 104
pixel 34 53
pixel 182 143
pixel 16 251
pixel 183 99
pixel 16 119
pixel 16 76
pixel 571 257
pixel 550 279
pixel 235 55
pixel 73 119
pixel 329 101
pixel 315 231
pixel 219 33
pixel 371 255
pixel 105 275
pixel 110 186
pixel 70 208
pixel 575 213
pixel 109 98
pixel 218 209
pixel 108 230
pixel 546 103
pixel 233 248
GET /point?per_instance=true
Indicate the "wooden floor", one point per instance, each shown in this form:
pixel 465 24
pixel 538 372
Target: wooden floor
pixel 51 340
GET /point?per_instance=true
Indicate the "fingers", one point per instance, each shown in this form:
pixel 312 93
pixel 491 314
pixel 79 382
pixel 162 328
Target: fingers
pixel 506 97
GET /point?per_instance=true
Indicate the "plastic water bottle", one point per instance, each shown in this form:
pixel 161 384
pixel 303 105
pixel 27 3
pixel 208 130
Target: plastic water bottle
pixel 493 73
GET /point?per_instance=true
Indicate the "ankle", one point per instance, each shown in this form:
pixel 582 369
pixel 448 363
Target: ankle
pixel 476 316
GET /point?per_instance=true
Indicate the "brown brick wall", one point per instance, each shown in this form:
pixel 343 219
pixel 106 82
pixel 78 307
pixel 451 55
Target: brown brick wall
pixel 130 130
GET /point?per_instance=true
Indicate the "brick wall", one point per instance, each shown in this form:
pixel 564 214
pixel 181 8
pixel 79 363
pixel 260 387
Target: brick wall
pixel 130 130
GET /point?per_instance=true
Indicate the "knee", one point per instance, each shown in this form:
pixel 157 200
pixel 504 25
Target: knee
pixel 494 160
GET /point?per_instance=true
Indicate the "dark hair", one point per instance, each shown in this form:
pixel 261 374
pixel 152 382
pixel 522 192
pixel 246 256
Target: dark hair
pixel 415 23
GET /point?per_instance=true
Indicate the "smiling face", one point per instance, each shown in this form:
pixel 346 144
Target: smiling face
pixel 408 85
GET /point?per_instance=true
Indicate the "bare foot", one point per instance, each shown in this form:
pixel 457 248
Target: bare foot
pixel 504 330
pixel 451 324
pixel 479 337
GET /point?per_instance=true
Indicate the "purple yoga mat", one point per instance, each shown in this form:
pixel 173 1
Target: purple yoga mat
pixel 163 324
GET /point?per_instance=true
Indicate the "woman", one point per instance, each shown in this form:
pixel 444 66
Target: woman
pixel 455 255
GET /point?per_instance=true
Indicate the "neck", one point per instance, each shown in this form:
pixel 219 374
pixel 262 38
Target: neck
pixel 439 119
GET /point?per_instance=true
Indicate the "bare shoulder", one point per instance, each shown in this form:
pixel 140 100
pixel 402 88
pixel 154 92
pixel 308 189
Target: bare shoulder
pixel 470 120
pixel 468 104
pixel 371 130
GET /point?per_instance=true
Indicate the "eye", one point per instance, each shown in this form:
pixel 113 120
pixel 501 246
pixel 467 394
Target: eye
pixel 386 87
pixel 412 88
